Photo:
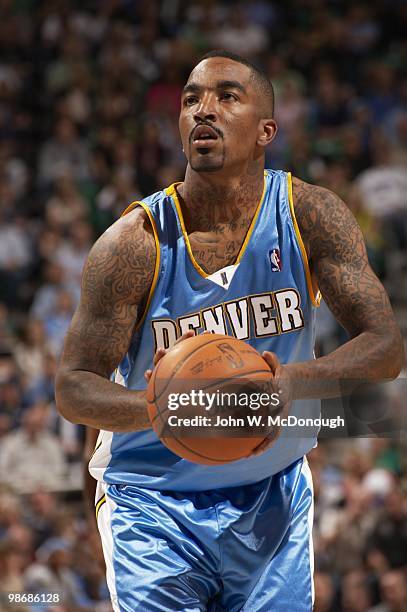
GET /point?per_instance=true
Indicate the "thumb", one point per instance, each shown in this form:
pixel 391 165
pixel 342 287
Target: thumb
pixel 272 360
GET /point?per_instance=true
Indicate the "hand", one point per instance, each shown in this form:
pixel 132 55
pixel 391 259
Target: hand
pixel 282 385
pixel 161 352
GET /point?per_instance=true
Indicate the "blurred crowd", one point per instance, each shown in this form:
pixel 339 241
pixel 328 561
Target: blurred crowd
pixel 89 98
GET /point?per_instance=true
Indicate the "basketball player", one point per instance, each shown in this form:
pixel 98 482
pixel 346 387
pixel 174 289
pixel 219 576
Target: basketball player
pixel 232 249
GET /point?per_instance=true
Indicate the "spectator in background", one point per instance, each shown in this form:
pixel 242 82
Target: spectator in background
pixel 383 187
pixel 388 537
pixel 383 190
pixel 91 571
pixel 11 576
pixel 382 96
pixel 324 592
pixel 291 107
pixel 124 159
pixel 32 456
pixel 10 511
pixel 64 152
pixel 329 114
pixel 13 531
pixel 49 241
pixel 66 206
pixel 41 515
pixel 349 528
pixel 45 298
pixel 114 198
pixel 52 573
pixel 5 424
pixel 393 586
pixel 163 97
pixel 356 595
pixel 150 155
pixel 6 332
pixel 372 228
pixel 76 103
pixel 15 250
pixel 239 35
pixel 72 253
pixel 396 131
pixel 43 388
pixel 11 400
pixel 354 149
pixel 58 320
pixel 14 169
pixel 30 351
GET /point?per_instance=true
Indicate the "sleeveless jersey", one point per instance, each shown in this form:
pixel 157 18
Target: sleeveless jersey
pixel 265 298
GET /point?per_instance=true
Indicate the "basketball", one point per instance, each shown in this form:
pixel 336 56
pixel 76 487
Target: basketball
pixel 209 367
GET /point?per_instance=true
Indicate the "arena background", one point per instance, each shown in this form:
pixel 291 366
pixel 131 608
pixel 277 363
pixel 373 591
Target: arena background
pixel 89 98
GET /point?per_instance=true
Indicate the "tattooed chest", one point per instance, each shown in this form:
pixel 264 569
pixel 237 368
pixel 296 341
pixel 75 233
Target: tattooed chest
pixel 213 253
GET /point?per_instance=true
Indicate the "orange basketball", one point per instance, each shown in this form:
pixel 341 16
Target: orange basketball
pixel 200 399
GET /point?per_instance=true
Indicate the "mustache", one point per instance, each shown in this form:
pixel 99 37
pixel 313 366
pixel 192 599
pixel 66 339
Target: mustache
pixel 200 124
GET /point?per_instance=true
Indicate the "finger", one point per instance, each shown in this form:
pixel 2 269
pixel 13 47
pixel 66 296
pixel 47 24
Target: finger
pixel 162 351
pixel 260 449
pixel 147 375
pixel 189 334
pixel 267 442
pixel 272 360
pixel 159 355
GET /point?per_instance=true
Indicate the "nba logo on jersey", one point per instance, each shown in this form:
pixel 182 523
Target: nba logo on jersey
pixel 275 260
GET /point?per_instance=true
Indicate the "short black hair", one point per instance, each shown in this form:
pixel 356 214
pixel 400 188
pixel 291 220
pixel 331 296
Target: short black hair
pixel 258 76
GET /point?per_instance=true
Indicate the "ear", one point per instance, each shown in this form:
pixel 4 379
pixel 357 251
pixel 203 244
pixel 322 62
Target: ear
pixel 266 132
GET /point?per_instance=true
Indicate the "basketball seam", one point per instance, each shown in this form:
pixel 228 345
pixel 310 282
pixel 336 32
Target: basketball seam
pixel 193 451
pixel 181 363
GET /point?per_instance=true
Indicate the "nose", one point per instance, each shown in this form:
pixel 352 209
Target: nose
pixel 206 109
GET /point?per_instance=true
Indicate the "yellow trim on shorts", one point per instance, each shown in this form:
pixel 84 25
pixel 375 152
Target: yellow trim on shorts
pixel 99 504
pixel 146 209
pixel 96 448
pixel 315 296
pixel 172 191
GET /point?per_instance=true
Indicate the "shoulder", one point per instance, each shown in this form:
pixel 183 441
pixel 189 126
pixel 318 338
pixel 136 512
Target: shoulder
pixel 129 237
pixel 122 261
pixel 314 199
pixel 132 227
pixel 322 216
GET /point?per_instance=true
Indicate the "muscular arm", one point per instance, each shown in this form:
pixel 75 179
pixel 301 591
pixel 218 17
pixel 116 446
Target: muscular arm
pixel 115 283
pixel 351 290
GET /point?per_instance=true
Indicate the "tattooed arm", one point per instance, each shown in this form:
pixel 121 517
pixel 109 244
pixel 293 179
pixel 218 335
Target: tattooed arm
pixel 115 284
pixel 354 294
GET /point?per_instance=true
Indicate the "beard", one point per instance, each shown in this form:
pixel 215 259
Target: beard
pixel 206 162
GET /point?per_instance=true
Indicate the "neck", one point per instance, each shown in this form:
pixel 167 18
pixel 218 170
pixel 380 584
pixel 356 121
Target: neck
pixel 210 200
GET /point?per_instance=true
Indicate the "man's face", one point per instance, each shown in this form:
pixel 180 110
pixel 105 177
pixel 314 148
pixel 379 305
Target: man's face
pixel 219 119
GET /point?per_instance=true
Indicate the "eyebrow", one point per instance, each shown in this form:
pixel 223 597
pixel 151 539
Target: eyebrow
pixel 195 88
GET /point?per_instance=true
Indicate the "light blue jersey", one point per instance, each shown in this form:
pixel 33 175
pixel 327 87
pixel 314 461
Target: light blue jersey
pixel 265 298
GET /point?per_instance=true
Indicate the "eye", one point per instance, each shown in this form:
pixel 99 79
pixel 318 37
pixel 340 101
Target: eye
pixel 190 100
pixel 227 95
